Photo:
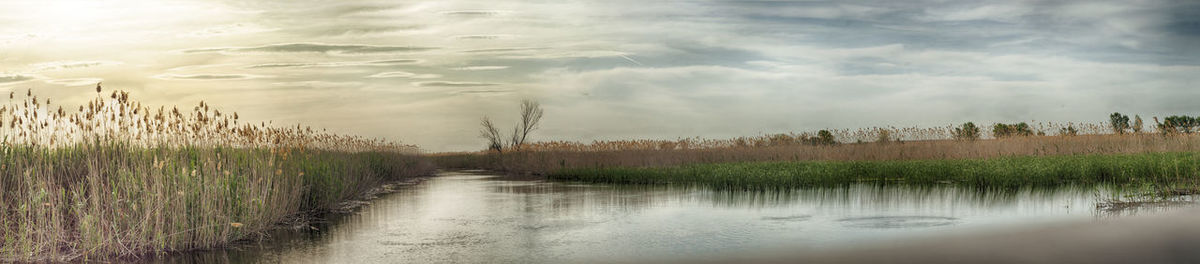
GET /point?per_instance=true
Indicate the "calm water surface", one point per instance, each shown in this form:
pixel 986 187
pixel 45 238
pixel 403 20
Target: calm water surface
pixel 474 217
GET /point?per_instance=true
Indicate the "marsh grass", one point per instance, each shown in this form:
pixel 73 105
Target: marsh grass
pixel 1085 154
pixel 545 162
pixel 1002 172
pixel 117 179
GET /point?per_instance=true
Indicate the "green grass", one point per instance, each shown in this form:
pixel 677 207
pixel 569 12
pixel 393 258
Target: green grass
pixel 994 172
pixel 102 200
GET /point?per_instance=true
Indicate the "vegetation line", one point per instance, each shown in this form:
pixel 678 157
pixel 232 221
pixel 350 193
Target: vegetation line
pixel 1006 154
pixel 1004 172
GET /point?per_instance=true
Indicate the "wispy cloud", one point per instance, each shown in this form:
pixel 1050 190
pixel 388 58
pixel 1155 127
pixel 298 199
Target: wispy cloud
pixel 316 48
pixel 475 13
pixel 480 68
pixel 333 64
pixel 392 62
pixel 207 77
pixel 482 37
pixel 319 84
pixel 66 65
pixel 504 50
pixel 484 92
pixel 453 84
pixel 355 29
pixel 568 54
pixel 226 30
pixel 402 74
pixel 75 81
pixel 15 78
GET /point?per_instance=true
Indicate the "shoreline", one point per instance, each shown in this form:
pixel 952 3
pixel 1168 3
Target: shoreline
pixel 299 221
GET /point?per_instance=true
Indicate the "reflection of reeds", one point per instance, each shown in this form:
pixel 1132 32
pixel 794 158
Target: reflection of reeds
pixel 116 178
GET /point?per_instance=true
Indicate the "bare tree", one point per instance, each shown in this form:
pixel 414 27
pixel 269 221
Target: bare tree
pixel 531 115
pixel 492 134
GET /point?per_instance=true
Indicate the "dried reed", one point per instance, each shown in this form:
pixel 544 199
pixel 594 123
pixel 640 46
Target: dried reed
pixel 114 178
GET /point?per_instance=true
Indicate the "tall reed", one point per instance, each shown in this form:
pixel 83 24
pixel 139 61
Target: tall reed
pixel 117 179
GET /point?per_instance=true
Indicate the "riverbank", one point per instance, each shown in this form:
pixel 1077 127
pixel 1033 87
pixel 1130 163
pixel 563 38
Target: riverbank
pixel 1163 169
pixel 101 201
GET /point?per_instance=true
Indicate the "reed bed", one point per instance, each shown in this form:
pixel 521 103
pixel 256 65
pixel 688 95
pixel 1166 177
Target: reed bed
pixel 114 178
pixel 863 135
pixel 545 162
pixel 1003 172
pixel 1001 155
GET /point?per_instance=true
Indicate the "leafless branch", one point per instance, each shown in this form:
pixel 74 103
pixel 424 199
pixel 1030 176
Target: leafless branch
pixel 489 132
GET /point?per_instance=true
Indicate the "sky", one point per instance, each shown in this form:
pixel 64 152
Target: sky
pixel 425 72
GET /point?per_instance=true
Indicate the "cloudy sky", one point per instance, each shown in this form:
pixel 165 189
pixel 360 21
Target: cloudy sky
pixel 425 72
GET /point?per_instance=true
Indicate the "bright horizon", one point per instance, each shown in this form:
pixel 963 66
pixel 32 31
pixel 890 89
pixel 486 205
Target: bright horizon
pixel 424 73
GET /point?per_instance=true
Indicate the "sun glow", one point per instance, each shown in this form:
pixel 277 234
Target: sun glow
pixel 116 20
pixel 54 17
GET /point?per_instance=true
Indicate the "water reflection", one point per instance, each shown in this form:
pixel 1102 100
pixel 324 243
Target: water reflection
pixel 472 217
pixel 898 221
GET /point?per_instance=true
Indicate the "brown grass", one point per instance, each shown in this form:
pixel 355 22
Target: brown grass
pixel 546 157
pixel 114 178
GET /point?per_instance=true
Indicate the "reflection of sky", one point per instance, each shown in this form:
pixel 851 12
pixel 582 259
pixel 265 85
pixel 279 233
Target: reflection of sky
pixel 424 72
pixel 457 218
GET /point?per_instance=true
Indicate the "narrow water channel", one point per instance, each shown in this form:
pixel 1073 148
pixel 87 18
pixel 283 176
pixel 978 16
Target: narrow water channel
pixel 473 217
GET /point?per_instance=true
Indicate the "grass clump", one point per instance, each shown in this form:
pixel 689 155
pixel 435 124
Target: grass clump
pixel 116 179
pixel 999 172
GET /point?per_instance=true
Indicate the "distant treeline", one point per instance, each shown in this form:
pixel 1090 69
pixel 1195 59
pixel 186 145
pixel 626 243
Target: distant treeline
pixel 1118 123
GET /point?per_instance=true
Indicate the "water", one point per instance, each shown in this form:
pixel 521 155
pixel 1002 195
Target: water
pixel 471 217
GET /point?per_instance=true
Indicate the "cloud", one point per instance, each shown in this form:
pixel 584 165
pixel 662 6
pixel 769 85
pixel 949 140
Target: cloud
pixel 475 13
pixel 484 92
pixel 569 54
pixel 316 48
pixel 319 84
pixel 453 84
pixel 358 28
pixel 205 50
pixel 504 50
pixel 711 68
pixel 288 65
pixel 995 12
pixel 392 62
pixel 15 78
pixel 1185 27
pixel 482 37
pixel 207 77
pixel 66 65
pixel 333 64
pixel 350 9
pixel 401 74
pixel 226 30
pixel 480 68
pixel 75 81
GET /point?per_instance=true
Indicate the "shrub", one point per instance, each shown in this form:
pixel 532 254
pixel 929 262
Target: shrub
pixel 1008 130
pixel 968 131
pixel 1179 124
pixel 1118 122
